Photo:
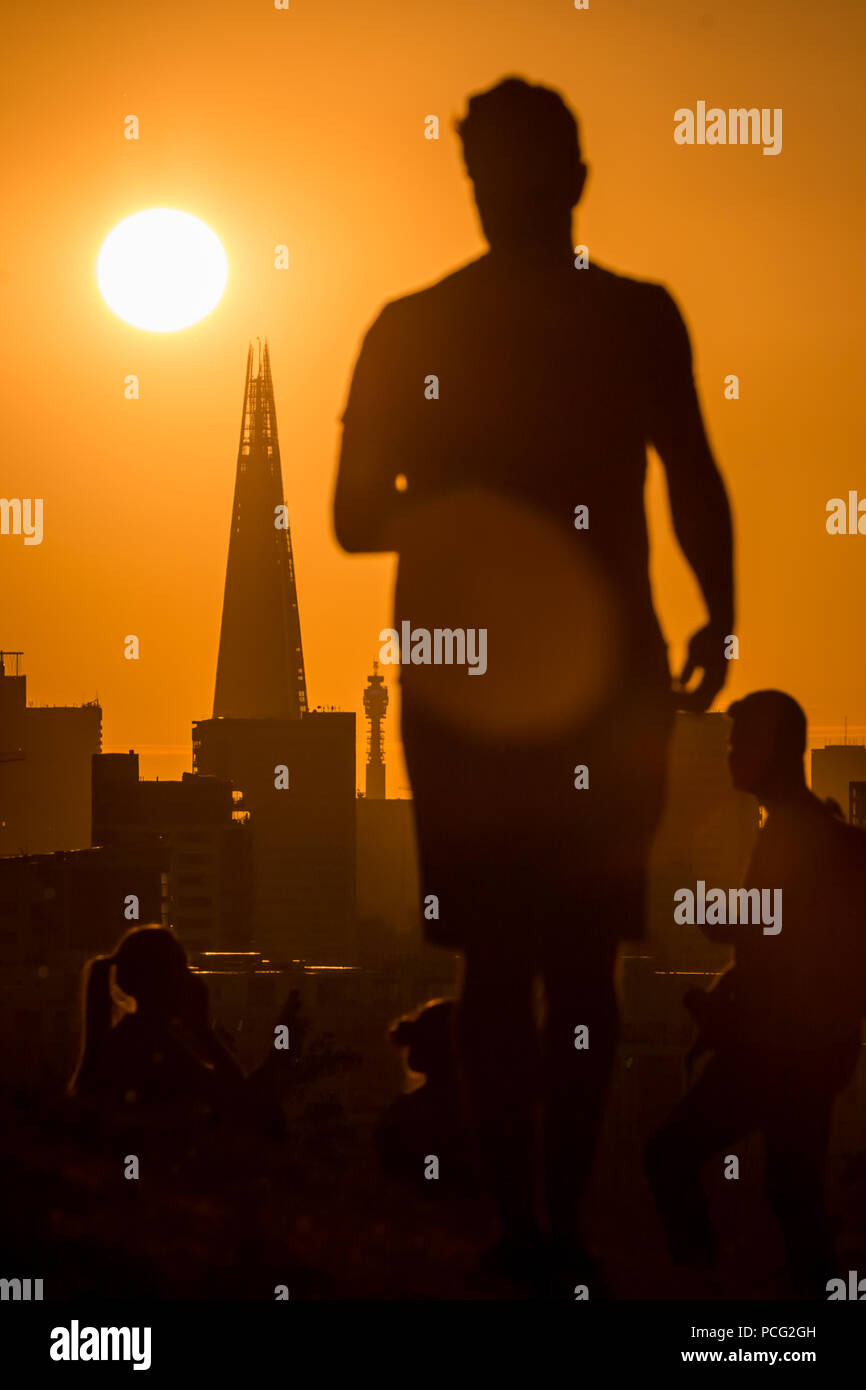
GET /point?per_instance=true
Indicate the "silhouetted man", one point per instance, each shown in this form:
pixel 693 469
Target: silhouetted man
pixel 785 1020
pixel 495 436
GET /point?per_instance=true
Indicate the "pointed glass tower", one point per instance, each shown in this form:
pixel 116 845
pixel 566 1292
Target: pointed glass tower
pixel 260 668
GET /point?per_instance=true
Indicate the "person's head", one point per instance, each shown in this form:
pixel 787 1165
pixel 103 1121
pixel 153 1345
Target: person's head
pixel 428 1036
pixel 150 969
pixel 767 744
pixel 522 153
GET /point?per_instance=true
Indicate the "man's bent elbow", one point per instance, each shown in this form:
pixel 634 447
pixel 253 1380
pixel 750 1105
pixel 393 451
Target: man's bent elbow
pixel 356 536
pixel 350 540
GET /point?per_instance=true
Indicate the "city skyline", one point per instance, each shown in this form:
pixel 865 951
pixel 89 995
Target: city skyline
pixel 354 354
pixel 138 493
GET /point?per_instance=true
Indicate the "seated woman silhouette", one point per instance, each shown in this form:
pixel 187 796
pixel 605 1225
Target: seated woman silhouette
pixel 163 1051
pixel 429 1121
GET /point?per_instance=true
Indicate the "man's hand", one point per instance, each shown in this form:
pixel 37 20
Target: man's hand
pixel 706 654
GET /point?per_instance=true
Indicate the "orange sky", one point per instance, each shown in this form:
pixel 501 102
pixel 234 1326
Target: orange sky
pixel 306 127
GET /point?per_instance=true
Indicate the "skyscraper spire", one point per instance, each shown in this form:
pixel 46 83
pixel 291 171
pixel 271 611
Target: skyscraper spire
pixel 260 667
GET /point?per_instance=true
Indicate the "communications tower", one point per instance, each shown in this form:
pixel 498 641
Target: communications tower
pixel 375 705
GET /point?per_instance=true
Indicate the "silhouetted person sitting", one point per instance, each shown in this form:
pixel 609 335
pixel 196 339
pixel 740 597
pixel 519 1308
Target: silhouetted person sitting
pixel 784 1020
pixel 163 1056
pixel 495 436
pixel 430 1121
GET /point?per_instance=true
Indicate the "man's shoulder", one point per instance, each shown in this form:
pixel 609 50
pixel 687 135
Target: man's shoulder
pixel 616 282
pixel 481 272
pixel 634 294
pixel 410 318
pixel 853 840
pixel 817 825
pixel 458 287
pixel 462 289
pixel 827 811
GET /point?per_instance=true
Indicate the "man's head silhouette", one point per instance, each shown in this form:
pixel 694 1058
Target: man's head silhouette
pixel 768 741
pixel 522 153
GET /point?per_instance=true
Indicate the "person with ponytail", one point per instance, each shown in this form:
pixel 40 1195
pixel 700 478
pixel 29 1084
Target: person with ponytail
pixel 163 1048
pixel 97 1011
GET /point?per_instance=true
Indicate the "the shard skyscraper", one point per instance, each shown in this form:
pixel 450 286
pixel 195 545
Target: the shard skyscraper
pixel 260 667
pixel 293 768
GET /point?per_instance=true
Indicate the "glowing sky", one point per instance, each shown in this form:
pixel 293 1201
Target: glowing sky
pixel 306 128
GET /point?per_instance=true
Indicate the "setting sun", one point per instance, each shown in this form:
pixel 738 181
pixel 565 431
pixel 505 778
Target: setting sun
pixel 162 270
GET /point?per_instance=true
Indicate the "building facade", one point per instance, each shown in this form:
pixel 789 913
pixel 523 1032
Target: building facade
pixel 204 839
pixel 45 753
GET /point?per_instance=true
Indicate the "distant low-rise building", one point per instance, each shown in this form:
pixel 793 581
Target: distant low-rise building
pixel 45 753
pixel 834 768
pixel 857 804
pixel 57 910
pixel 297 780
pixel 388 880
pixel 194 822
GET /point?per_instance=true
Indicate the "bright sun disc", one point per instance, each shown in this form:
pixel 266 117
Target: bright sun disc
pixel 162 270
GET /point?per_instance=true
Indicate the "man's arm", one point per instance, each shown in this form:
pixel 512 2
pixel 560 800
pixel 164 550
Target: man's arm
pixel 699 503
pixel 366 500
